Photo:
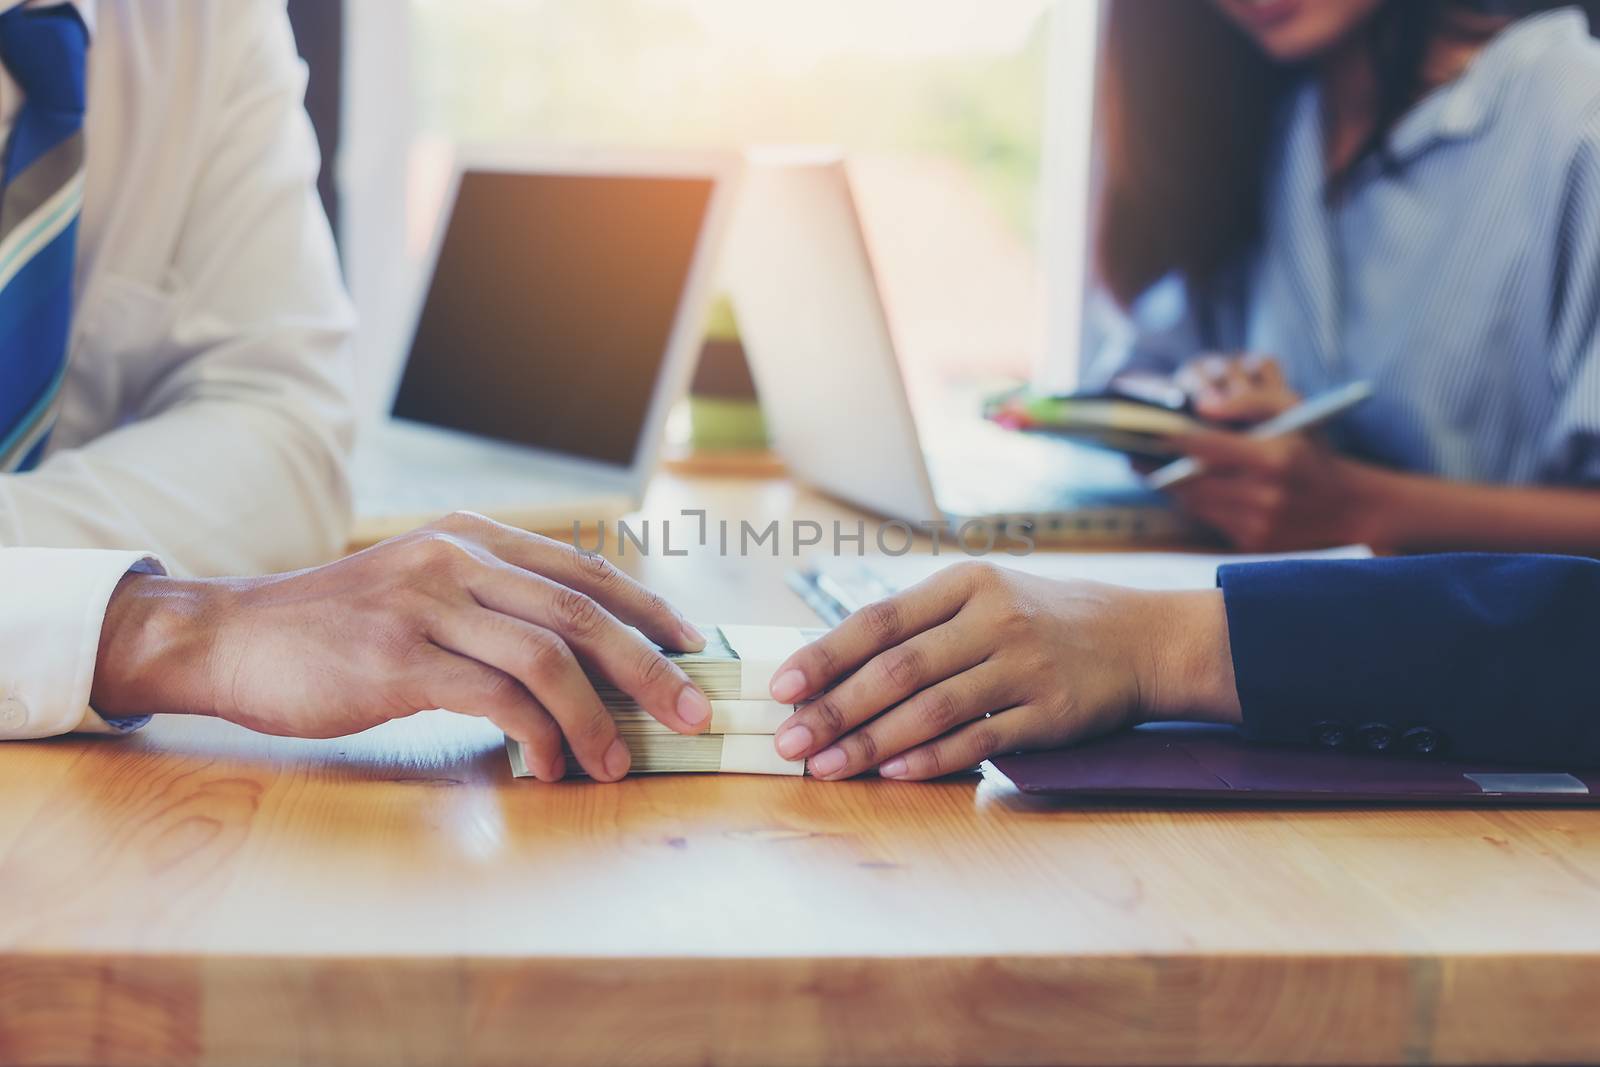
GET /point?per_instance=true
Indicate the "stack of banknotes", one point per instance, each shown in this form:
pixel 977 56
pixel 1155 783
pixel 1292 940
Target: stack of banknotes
pixel 733 670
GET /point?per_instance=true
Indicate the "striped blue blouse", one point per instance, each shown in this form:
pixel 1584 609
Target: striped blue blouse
pixel 1465 286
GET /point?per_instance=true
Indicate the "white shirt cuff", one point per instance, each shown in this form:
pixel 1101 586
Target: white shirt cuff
pixel 52 606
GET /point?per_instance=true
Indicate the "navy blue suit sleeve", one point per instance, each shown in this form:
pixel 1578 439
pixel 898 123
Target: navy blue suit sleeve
pixel 1500 655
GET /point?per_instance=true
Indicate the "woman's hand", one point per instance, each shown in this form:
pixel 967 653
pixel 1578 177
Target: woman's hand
pixel 1279 494
pixel 979 660
pixel 464 614
pixel 1240 389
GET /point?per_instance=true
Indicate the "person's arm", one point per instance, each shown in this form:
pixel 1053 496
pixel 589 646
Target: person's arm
pixel 464 614
pixel 980 659
pixel 233 461
pixel 1494 654
pixel 1412 513
pixel 1295 493
pixel 51 605
pixel 1486 656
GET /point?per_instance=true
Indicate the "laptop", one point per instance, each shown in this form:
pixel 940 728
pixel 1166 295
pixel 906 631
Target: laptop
pixel 823 357
pixel 563 313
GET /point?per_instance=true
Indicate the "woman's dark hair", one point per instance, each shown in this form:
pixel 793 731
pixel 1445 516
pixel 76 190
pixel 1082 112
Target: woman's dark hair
pixel 1188 104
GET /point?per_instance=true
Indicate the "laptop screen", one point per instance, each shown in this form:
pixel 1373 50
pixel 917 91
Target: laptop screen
pixel 551 307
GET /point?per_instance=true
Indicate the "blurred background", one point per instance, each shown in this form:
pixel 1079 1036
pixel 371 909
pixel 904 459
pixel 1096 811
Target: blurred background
pixel 966 122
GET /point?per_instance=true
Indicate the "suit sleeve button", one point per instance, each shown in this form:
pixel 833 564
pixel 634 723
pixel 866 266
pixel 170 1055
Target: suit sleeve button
pixel 1423 740
pixel 1375 736
pixel 13 714
pixel 1330 734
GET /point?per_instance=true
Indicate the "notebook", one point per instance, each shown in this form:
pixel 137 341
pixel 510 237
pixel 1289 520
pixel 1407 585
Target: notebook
pixel 1136 423
pixel 1197 761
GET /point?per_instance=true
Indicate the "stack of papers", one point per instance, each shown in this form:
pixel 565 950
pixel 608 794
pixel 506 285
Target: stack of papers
pixel 734 671
pixel 836 586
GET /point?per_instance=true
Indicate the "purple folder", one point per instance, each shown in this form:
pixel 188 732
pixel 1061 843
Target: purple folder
pixel 1207 762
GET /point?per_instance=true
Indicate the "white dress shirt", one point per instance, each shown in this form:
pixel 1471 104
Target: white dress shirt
pixel 205 416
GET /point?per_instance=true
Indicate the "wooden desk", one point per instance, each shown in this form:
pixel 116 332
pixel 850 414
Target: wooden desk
pixel 198 894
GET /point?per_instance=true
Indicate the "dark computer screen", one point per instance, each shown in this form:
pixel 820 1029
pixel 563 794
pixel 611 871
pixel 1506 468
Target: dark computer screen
pixel 550 309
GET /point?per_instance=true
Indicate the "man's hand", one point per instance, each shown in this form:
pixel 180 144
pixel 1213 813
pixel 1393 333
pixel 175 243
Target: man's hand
pixel 979 660
pixel 1279 494
pixel 1241 389
pixel 464 614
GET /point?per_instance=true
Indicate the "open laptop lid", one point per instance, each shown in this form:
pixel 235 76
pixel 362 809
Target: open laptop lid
pixel 566 304
pixel 1183 761
pixel 812 322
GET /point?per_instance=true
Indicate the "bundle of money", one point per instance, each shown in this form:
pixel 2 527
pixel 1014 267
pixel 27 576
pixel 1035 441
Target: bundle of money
pixel 733 671
pixel 661 751
pixel 717 669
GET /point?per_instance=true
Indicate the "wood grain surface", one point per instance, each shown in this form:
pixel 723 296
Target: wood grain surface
pixel 199 894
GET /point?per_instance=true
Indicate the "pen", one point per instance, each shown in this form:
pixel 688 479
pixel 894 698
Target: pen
pixel 1314 412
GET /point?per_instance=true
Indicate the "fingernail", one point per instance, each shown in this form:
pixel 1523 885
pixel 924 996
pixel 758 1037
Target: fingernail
pixel 793 742
pixel 789 686
pixel 693 707
pixel 693 638
pixel 893 768
pixel 617 760
pixel 828 761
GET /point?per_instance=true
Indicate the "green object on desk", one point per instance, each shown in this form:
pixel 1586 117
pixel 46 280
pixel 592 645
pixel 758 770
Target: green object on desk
pixel 717 422
pixel 724 412
pixel 721 325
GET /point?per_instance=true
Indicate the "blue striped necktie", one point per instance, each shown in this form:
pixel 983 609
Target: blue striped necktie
pixel 41 192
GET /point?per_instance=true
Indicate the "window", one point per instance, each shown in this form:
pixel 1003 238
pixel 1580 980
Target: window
pixel 943 106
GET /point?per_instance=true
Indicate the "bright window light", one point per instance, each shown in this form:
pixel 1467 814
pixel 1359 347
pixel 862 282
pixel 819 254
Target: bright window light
pixel 942 106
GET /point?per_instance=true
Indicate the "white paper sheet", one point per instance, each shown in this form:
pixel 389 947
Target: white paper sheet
pixel 762 650
pixel 1140 570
